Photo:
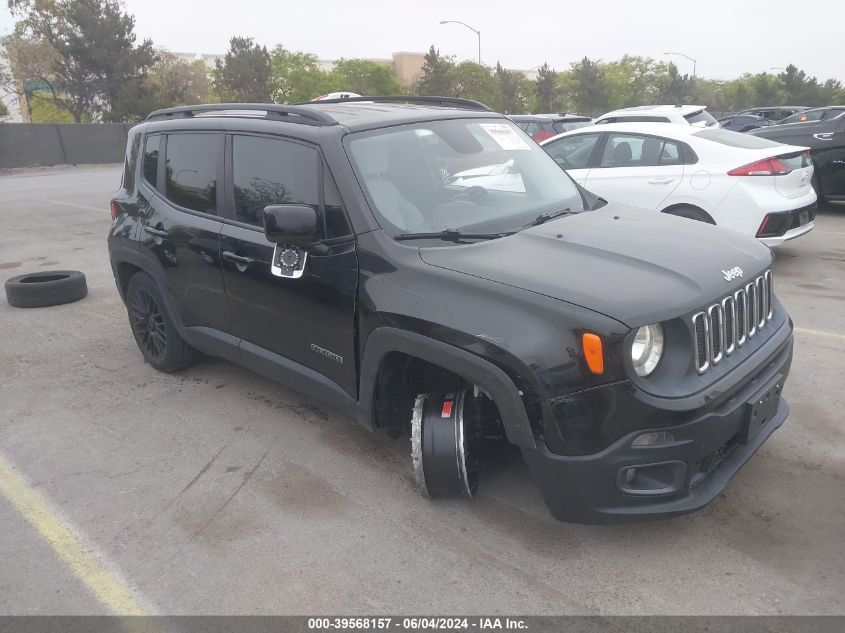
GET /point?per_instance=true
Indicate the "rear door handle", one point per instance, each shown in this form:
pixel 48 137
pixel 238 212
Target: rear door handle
pixel 824 136
pixel 660 181
pixel 157 232
pixel 239 260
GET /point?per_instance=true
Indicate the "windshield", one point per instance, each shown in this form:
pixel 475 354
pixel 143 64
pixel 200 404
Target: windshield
pixel 462 174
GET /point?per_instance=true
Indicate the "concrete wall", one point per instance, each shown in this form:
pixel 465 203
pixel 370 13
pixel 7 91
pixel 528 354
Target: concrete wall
pixel 36 144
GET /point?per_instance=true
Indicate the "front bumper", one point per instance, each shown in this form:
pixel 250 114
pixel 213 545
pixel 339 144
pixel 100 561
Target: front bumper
pixel 673 478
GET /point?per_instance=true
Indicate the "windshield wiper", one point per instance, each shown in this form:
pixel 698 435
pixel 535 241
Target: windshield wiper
pixel 451 235
pixel 545 217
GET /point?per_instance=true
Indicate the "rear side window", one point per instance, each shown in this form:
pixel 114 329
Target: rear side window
pixel 572 152
pixel 150 165
pixel 271 171
pixel 133 145
pixel 191 179
pixel 630 150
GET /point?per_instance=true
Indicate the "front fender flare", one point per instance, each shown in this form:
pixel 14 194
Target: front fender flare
pixel 489 377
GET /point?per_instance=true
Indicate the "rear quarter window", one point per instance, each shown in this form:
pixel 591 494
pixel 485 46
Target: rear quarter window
pixel 130 162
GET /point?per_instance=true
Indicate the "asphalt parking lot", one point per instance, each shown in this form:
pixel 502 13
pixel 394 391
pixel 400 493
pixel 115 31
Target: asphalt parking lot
pixel 216 491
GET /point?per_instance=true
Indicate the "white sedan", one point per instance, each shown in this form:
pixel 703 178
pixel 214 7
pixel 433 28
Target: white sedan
pixel 741 182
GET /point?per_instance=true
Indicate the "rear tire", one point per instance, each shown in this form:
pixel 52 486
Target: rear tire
pixel 440 450
pixel 690 212
pixel 153 328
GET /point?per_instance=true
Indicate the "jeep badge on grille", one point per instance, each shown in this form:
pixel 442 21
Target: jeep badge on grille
pixel 733 273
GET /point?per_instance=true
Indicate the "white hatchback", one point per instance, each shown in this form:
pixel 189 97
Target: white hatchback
pixel 746 183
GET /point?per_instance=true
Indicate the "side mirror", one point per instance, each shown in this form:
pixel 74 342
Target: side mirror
pixel 294 224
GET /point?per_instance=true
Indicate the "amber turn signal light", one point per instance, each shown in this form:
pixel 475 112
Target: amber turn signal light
pixel 593 353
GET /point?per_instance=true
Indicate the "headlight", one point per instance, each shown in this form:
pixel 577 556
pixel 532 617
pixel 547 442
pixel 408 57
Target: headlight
pixel 647 348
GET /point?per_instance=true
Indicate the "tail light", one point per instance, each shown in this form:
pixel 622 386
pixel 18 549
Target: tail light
pixel 115 210
pixel 766 167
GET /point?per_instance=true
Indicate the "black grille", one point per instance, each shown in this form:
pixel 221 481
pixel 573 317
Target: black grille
pixel 728 306
pixel 725 326
pixel 701 339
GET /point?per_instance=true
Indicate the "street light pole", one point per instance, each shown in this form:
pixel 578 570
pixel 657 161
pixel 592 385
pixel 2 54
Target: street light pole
pixel 688 57
pixel 476 31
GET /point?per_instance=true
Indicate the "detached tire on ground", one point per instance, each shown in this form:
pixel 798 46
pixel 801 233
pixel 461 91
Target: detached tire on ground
pixel 48 288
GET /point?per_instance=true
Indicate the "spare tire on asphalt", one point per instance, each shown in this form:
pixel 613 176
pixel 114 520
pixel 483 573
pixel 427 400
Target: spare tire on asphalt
pixel 48 288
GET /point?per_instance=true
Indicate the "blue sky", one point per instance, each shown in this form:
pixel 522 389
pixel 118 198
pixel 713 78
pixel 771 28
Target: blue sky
pixel 726 37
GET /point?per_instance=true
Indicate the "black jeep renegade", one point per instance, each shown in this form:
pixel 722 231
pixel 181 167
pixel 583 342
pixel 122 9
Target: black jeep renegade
pixel 421 266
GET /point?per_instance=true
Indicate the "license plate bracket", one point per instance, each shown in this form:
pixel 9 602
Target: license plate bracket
pixel 762 408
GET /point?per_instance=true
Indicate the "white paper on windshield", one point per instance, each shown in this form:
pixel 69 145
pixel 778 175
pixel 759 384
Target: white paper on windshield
pixel 505 136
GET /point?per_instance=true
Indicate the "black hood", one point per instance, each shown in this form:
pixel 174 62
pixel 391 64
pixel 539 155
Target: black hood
pixel 632 265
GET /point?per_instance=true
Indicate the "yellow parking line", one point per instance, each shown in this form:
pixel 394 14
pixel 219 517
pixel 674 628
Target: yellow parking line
pixel 804 330
pixel 109 589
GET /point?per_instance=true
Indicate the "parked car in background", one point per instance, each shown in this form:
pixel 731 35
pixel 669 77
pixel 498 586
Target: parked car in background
pixel 543 126
pixel 823 131
pixel 751 185
pixel 685 114
pixel 743 122
pixel 774 114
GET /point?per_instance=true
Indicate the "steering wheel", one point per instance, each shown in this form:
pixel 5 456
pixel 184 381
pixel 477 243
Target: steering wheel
pixel 476 193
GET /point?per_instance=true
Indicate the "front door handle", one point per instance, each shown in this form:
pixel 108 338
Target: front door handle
pixel 157 232
pixel 240 261
pixel 660 181
pixel 824 136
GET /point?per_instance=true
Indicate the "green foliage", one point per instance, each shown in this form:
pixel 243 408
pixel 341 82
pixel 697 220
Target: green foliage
pixel 545 90
pixel 245 74
pixel 94 46
pixel 517 91
pixel 471 80
pixel 589 89
pixel 44 108
pixel 4 111
pixel 436 79
pixel 170 82
pixel 365 77
pixel 297 76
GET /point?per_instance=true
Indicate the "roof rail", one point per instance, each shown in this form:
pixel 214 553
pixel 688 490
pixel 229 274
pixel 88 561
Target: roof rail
pixel 309 116
pixel 455 102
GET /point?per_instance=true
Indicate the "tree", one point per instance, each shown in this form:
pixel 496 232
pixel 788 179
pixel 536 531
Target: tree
pixel 170 82
pixel 516 91
pixel 244 74
pixel 436 76
pixel 297 76
pixel 672 87
pixel 546 90
pixel 471 80
pixel 589 92
pixel 94 44
pixel 24 60
pixel 366 77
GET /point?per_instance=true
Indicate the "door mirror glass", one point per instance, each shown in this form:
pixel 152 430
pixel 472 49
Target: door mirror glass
pixel 294 224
